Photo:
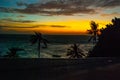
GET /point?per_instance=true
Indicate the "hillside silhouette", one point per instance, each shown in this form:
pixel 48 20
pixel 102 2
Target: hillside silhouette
pixel 108 44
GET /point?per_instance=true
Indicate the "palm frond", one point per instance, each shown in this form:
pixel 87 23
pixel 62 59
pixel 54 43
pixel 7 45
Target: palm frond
pixel 94 25
pixel 69 52
pixel 74 51
pixel 45 44
pixel 45 40
pixel 13 52
pixel 38 34
pixel 90 38
pixel 80 50
pixel 33 39
pixel 90 31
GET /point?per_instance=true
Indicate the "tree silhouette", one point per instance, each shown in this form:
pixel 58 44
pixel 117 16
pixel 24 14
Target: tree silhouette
pixel 13 52
pixel 74 51
pixel 93 31
pixel 108 44
pixel 38 38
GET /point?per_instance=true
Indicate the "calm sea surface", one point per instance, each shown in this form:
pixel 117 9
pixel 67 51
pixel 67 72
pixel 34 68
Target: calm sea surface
pixel 58 44
pixel 51 38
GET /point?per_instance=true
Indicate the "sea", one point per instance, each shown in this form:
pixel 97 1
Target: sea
pixel 57 46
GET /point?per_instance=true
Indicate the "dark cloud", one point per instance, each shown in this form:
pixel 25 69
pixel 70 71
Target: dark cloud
pixel 35 26
pixel 107 3
pixel 7 26
pixel 59 26
pixel 64 7
pixel 21 21
pixel 3 9
pixel 56 8
pixel 111 14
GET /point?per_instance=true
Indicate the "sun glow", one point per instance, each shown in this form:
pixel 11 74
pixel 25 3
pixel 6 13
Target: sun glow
pixel 69 27
pixel 72 27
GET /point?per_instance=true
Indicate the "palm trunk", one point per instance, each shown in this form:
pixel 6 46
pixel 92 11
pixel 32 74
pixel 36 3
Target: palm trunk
pixel 90 38
pixel 94 37
pixel 38 48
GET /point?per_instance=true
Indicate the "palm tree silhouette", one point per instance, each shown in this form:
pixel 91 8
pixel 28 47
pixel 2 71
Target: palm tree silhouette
pixel 38 38
pixel 13 52
pixel 74 51
pixel 94 31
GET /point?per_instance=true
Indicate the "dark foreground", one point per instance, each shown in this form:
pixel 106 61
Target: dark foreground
pixel 60 69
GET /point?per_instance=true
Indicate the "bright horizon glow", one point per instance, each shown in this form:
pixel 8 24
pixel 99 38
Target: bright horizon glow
pixel 72 27
pixel 75 27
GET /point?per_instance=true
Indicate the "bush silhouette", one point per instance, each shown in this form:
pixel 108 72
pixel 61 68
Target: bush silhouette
pixel 74 51
pixel 108 44
pixel 13 52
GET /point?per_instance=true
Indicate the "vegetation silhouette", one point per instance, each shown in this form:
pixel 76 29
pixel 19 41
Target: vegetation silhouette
pixel 13 52
pixel 94 31
pixel 38 38
pixel 56 56
pixel 108 44
pixel 0 53
pixel 74 51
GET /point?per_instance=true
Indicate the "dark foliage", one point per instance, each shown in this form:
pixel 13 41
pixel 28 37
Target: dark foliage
pixel 108 44
pixel 74 51
pixel 12 53
pixel 93 31
pixel 38 38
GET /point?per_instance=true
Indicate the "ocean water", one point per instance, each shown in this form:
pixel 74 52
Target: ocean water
pixel 58 45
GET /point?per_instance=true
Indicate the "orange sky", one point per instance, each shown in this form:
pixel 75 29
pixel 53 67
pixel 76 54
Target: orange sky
pixel 74 27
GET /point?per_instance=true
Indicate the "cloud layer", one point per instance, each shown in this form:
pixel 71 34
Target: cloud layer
pixel 20 21
pixel 24 24
pixel 64 7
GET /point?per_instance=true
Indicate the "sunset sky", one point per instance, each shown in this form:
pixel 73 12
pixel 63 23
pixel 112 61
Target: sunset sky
pixel 55 16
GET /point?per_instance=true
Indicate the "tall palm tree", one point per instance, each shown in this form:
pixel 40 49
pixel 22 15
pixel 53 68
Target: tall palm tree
pixel 94 31
pixel 38 38
pixel 74 51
